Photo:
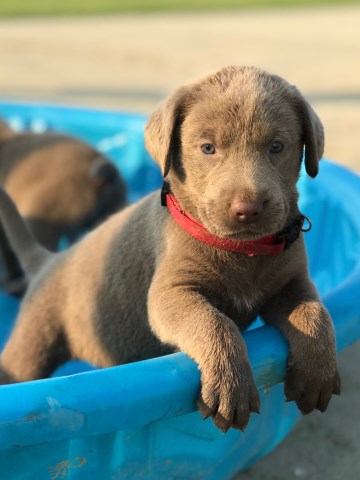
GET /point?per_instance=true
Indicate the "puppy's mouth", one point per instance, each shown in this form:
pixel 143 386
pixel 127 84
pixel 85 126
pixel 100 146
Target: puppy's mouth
pixel 264 226
pixel 243 234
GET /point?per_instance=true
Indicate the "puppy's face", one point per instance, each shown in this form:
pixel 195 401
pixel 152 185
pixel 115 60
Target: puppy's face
pixel 236 148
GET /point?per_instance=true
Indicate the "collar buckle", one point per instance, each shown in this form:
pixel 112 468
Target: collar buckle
pixel 292 232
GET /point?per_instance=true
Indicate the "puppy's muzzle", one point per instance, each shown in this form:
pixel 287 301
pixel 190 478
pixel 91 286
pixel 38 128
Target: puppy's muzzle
pixel 247 212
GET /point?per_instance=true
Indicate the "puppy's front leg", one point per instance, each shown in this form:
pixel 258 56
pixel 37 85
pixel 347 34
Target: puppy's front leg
pixel 311 376
pixel 181 315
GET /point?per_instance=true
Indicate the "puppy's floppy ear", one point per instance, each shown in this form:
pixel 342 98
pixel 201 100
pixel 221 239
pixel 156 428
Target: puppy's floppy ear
pixel 313 138
pixel 160 131
pixel 103 169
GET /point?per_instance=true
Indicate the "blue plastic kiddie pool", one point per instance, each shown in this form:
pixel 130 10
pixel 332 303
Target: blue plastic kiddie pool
pixel 139 421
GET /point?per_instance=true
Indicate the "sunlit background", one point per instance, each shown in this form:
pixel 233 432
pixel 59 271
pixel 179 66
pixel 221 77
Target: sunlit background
pixel 127 55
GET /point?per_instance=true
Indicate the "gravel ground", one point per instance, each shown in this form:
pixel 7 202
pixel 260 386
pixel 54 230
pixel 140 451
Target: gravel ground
pixel 131 61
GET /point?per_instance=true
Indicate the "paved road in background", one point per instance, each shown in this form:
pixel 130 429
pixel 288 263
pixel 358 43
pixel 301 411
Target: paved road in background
pixel 132 61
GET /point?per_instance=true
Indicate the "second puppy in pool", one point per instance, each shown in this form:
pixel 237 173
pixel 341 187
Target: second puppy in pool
pixel 60 185
pixel 190 275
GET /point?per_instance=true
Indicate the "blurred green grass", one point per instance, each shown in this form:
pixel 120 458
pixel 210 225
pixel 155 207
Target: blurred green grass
pixel 14 8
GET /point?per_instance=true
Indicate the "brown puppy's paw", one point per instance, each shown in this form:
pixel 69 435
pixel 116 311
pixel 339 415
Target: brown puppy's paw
pixel 311 386
pixel 229 399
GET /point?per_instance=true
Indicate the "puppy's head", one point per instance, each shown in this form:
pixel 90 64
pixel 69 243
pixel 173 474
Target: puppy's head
pixel 231 146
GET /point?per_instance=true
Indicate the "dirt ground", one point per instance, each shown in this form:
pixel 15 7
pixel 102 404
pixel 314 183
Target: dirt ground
pixel 130 62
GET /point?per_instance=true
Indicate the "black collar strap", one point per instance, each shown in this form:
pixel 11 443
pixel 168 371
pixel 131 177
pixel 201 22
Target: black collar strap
pixel 292 231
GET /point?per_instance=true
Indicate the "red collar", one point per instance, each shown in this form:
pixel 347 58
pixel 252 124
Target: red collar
pixel 269 245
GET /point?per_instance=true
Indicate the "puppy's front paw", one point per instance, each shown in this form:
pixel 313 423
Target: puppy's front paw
pixel 229 397
pixel 311 381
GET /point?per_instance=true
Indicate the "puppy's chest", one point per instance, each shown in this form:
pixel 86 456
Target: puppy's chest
pixel 244 292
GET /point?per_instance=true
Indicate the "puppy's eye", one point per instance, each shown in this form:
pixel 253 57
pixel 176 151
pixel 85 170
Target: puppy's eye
pixel 208 148
pixel 276 147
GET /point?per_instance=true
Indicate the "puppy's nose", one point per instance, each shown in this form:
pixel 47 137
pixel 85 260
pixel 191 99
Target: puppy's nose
pixel 247 211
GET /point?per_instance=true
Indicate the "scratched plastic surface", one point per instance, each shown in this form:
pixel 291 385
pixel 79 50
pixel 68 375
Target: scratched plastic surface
pixel 138 421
